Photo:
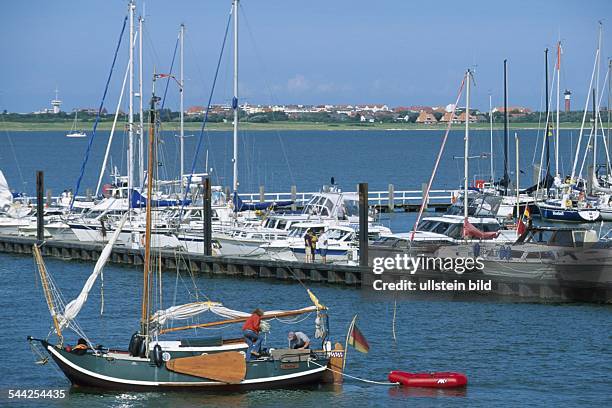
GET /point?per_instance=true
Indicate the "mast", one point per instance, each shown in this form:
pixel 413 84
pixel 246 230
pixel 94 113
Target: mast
pixel 547 121
pixel 558 103
pixel 518 173
pixel 140 110
pixel 181 90
pixel 235 98
pixel 130 158
pixel 144 318
pixel 506 178
pixel 609 108
pixel 466 145
pixel 491 137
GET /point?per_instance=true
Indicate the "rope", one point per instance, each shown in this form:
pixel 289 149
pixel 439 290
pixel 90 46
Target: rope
pixel 210 96
pixel 435 169
pixel 95 126
pixel 354 377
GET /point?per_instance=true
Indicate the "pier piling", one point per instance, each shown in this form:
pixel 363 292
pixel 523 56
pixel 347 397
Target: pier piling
pixel 40 209
pixel 363 224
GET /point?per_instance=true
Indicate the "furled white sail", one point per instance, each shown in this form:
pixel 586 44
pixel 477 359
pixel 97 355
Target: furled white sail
pixel 6 197
pixel 74 307
pixel 597 187
pixel 186 311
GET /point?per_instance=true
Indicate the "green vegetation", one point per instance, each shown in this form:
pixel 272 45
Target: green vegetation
pixel 285 125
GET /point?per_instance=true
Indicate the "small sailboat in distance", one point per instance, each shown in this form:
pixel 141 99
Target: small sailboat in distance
pixel 73 130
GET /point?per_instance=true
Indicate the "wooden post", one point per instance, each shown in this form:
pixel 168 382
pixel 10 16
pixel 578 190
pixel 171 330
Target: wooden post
pixel 49 197
pixel 293 198
pixel 391 201
pixel 40 207
pixel 262 196
pixel 207 212
pixel 363 224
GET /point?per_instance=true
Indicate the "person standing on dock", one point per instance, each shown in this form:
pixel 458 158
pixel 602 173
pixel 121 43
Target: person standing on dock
pixel 322 245
pixel 250 331
pixel 308 245
pixel 313 245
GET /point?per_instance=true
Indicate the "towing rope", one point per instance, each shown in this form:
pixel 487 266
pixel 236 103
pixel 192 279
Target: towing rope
pixel 354 377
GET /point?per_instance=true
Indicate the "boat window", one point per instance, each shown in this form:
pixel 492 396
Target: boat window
pixel 351 208
pixel 563 238
pixel 282 224
pixel 454 231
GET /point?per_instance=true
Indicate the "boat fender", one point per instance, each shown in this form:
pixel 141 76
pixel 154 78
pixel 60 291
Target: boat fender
pixel 134 346
pixel 157 355
pixel 142 350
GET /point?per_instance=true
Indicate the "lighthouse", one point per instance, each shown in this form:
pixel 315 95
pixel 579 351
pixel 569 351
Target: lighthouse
pixel 56 103
pixel 568 96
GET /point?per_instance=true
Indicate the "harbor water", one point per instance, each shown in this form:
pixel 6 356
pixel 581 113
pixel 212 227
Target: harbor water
pixel 514 354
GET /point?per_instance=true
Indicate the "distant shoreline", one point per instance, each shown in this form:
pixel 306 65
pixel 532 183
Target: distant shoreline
pixel 272 126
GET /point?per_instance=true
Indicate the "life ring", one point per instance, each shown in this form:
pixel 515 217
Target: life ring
pixel 156 355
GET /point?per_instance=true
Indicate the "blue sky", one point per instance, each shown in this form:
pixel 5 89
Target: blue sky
pixel 394 52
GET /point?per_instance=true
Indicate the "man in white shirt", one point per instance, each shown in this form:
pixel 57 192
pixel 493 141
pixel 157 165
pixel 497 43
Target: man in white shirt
pixel 298 340
pixel 322 244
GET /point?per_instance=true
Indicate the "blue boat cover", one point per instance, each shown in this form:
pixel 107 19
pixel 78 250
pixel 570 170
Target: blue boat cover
pixel 139 201
pixel 240 205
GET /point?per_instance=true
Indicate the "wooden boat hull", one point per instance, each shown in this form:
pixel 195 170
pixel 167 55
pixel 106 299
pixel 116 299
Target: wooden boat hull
pixel 138 374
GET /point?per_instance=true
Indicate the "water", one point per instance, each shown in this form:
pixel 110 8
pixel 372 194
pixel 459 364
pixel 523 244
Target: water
pixel 514 354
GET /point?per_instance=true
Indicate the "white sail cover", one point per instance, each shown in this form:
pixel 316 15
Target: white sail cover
pixel 73 308
pixel 6 197
pixel 189 310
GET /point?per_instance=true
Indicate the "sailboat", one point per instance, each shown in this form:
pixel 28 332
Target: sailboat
pixel 73 130
pixel 151 362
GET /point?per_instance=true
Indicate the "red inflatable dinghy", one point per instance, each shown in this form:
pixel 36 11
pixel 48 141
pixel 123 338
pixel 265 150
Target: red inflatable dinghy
pixel 430 380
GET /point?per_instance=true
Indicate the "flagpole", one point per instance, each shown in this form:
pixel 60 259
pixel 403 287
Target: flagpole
pixel 346 342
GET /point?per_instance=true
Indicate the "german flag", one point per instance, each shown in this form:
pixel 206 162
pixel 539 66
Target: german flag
pixel 356 339
pixel 526 213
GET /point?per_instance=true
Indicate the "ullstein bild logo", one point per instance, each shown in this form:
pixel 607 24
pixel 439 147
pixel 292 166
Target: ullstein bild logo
pixel 410 264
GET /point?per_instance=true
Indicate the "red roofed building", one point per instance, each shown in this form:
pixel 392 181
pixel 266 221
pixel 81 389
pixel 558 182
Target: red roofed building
pixel 426 118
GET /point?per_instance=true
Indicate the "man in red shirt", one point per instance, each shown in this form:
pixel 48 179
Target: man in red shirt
pixel 250 331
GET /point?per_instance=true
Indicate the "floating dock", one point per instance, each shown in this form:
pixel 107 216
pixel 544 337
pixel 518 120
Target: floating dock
pixel 537 290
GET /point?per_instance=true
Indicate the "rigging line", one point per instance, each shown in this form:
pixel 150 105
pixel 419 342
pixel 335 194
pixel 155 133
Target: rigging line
pixel 437 163
pixel 95 126
pixel 163 102
pixel 210 96
pixel 269 89
pixel 10 140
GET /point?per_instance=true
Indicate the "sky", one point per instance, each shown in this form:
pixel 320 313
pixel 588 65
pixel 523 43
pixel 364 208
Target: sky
pixel 396 52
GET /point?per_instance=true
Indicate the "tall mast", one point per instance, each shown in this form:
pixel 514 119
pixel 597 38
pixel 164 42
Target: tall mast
pixel 181 90
pixel 547 120
pixel 491 137
pixel 506 178
pixel 235 98
pixel 558 103
pixel 130 158
pixel 466 145
pixel 140 109
pixel 596 104
pixel 144 319
pixel 609 107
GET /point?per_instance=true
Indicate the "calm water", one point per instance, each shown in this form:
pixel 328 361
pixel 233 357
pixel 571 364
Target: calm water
pixel 514 354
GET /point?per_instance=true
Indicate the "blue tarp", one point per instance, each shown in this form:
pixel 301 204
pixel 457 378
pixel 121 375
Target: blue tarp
pixel 240 205
pixel 139 201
